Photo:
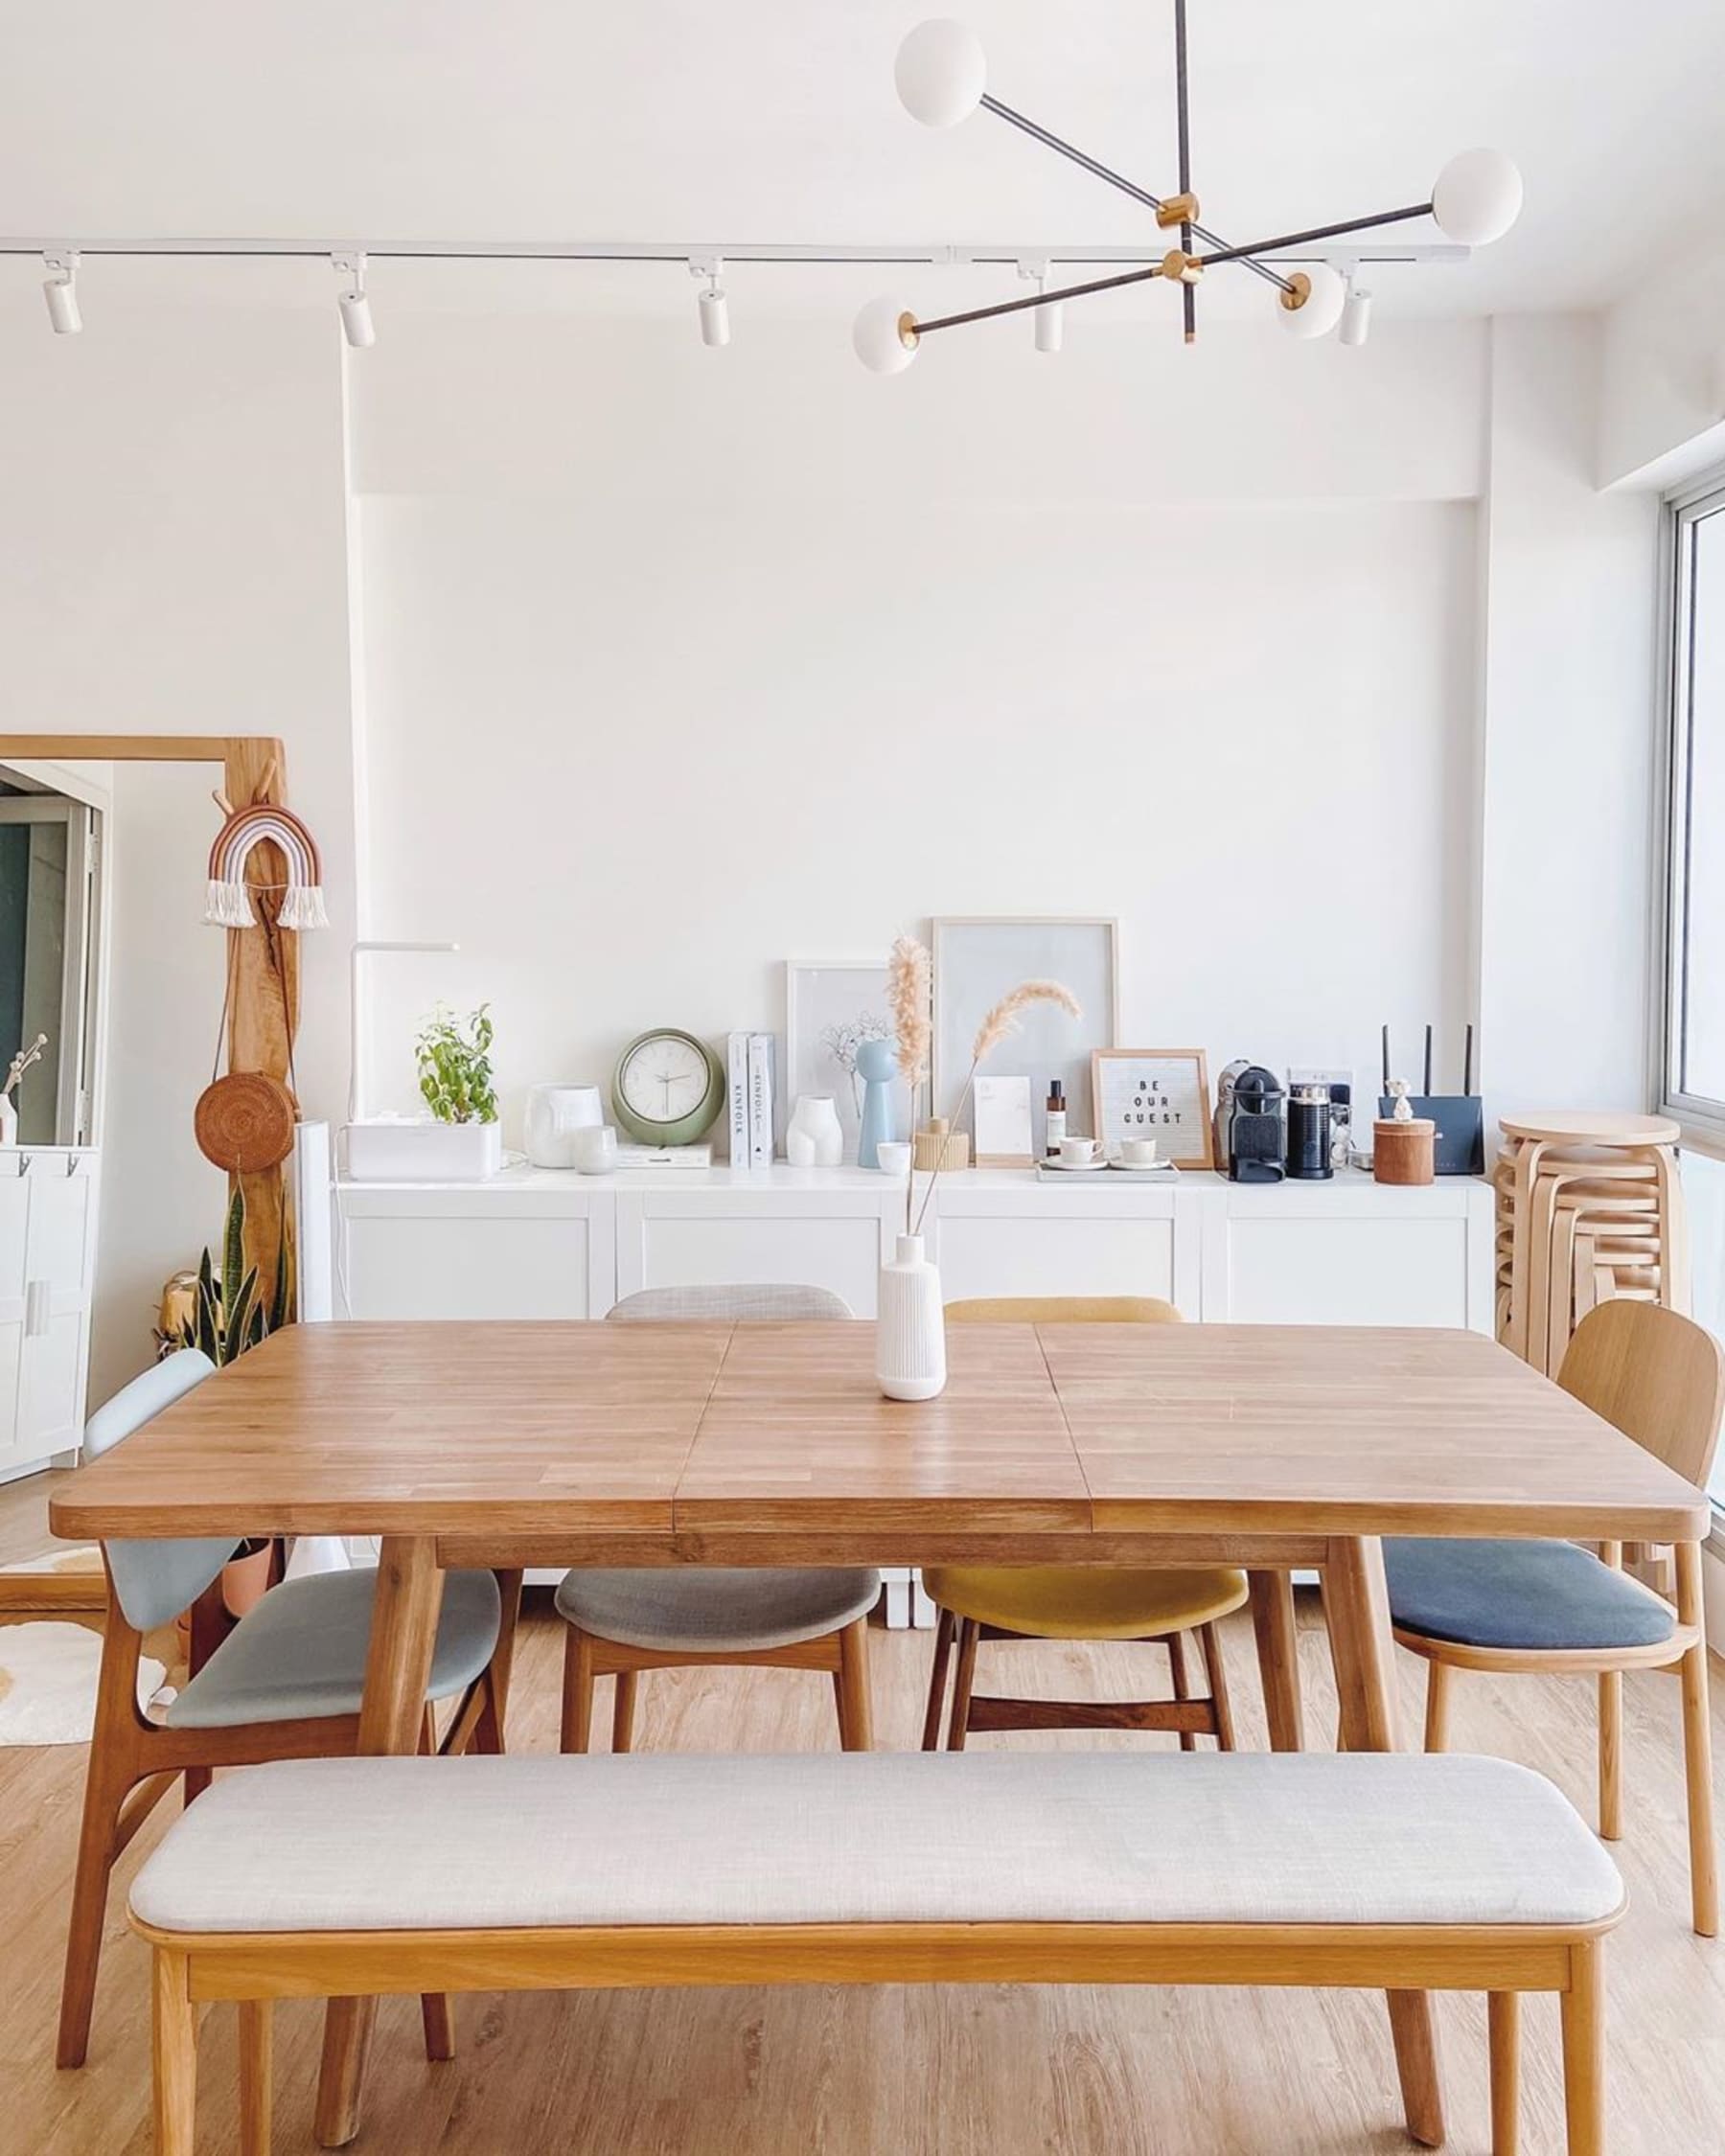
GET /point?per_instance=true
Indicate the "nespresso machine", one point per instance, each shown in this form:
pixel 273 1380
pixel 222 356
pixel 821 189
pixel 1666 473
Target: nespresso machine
pixel 1249 1123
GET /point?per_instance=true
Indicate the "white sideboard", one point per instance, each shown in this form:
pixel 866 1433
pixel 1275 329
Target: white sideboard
pixel 47 1265
pixel 536 1243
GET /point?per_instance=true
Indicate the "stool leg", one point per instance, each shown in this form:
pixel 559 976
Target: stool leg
pixel 578 1691
pixel 1216 1670
pixel 1438 1706
pixel 1504 2016
pixel 969 1633
pixel 856 1723
pixel 623 1711
pixel 1611 1754
pixel 174 2041
pixel 937 1679
pixel 1177 1669
pixel 1584 2053
pixel 254 2076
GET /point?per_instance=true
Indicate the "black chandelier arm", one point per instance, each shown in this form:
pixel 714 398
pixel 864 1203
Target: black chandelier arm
pixel 1286 240
pixel 1038 299
pixel 1182 118
pixel 1101 172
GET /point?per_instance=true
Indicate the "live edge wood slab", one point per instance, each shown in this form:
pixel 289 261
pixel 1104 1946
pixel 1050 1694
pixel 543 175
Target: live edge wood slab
pixel 516 1444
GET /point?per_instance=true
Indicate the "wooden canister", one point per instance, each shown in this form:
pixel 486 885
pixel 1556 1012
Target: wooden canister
pixel 1402 1152
pixel 939 1146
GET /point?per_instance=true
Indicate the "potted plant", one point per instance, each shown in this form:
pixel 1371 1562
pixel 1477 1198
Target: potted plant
pixel 460 1140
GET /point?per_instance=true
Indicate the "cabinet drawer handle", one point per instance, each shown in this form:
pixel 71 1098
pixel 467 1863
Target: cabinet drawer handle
pixel 35 1308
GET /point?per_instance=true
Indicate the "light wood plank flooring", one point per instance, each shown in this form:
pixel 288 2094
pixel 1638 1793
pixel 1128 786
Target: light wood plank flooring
pixel 898 2072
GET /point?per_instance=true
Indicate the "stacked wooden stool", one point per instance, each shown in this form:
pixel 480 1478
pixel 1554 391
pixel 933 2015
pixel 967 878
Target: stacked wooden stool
pixel 1589 1208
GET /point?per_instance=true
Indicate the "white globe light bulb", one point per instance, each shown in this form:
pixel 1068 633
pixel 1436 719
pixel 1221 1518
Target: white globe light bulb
pixel 941 73
pixel 878 336
pixel 1477 197
pixel 1321 309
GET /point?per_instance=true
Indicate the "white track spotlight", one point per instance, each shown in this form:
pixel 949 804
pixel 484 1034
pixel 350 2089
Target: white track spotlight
pixel 1356 311
pixel 355 308
pixel 60 288
pixel 714 309
pixel 1049 320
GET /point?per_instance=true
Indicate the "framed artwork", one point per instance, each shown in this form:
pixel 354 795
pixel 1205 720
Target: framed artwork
pixel 977 961
pixel 832 1006
pixel 1161 1094
pixel 1001 1107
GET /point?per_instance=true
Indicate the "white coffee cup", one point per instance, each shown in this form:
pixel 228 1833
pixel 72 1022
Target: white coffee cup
pixel 593 1149
pixel 894 1157
pixel 1077 1152
pixel 1137 1153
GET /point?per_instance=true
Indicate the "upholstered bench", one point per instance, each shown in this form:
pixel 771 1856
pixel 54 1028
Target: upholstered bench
pixel 354 1877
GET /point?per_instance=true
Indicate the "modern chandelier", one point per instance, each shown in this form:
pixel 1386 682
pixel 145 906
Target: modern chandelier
pixel 942 79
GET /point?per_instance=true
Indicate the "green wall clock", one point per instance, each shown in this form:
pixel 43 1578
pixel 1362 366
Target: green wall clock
pixel 668 1088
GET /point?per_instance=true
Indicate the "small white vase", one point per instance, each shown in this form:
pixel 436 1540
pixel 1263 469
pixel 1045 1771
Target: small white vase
pixel 8 1120
pixel 910 1326
pixel 814 1138
pixel 555 1113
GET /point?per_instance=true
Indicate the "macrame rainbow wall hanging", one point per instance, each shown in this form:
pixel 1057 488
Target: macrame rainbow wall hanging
pixel 229 906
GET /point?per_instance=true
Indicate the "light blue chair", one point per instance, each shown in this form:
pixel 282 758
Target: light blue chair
pixel 286 1683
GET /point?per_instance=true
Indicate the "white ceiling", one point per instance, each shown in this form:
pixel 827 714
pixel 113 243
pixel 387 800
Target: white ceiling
pixel 776 120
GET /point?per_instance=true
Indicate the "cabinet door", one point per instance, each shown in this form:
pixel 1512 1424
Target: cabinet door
pixel 416 1267
pixel 1347 1272
pixel 51 1386
pixel 706 1242
pixel 59 1243
pixel 1055 1256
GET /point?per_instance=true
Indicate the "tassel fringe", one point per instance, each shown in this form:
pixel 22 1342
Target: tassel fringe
pixel 228 906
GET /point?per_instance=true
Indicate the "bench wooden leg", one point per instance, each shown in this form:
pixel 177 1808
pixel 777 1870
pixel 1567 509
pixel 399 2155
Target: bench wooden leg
pixel 175 2026
pixel 1698 1747
pixel 937 1679
pixel 1278 1659
pixel 1611 1754
pixel 1216 1670
pixel 256 2021
pixel 623 1709
pixel 1504 2014
pixel 577 1691
pixel 969 1633
pixel 1584 2052
pixel 856 1716
pixel 1438 1678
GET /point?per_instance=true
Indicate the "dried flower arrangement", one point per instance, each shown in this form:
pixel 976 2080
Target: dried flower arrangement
pixel 843 1040
pixel 21 1063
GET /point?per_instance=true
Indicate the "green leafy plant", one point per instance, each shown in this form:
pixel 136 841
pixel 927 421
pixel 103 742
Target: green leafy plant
pixel 224 1326
pixel 454 1066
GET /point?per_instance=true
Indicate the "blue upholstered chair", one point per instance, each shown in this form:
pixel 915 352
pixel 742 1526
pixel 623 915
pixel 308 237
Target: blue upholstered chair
pixel 1556 1608
pixel 285 1683
pixel 632 1619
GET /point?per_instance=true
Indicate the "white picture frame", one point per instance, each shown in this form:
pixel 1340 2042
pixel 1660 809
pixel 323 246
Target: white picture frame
pixel 978 958
pixel 824 999
pixel 1002 1106
pixel 1160 1093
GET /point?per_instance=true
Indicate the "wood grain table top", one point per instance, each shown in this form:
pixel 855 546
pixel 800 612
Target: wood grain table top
pixel 1054 1431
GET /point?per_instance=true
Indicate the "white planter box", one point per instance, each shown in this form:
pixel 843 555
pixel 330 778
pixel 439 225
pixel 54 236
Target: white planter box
pixel 424 1151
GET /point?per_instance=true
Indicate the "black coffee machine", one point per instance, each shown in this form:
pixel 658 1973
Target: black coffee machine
pixel 1249 1123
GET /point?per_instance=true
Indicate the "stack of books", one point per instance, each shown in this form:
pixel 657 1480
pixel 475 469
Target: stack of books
pixel 749 1071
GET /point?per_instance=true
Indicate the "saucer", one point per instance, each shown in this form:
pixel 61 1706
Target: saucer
pixel 1073 1167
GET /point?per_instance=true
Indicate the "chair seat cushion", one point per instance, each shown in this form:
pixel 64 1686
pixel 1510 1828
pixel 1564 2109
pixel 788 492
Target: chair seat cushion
pixel 300 1653
pixel 667 1838
pixel 704 1609
pixel 1532 1596
pixel 1085 1602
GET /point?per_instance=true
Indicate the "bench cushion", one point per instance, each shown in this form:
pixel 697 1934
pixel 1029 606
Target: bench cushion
pixel 382 1844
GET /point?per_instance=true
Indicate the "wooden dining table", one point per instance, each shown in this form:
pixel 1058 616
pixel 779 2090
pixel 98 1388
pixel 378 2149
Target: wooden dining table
pixel 508 1445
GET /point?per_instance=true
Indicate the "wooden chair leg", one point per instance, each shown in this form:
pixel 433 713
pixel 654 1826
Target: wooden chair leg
pixel 937 1679
pixel 1216 1669
pixel 1584 2053
pixel 1611 1754
pixel 856 1716
pixel 623 1709
pixel 1504 2016
pixel 577 1690
pixel 109 1775
pixel 1438 1706
pixel 174 2038
pixel 1182 1690
pixel 254 2023
pixel 1698 1747
pixel 969 1633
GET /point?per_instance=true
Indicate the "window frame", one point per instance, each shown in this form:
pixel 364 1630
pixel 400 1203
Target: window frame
pixel 1701 1116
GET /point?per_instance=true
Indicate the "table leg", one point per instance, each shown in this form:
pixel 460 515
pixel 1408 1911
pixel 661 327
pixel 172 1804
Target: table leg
pixel 398 1666
pixel 1278 1659
pixel 1356 1604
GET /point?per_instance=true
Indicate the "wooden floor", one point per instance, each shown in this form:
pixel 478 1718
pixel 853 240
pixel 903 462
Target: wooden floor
pixel 898 2072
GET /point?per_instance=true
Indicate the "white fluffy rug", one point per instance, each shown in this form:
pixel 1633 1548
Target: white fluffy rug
pixel 48 1683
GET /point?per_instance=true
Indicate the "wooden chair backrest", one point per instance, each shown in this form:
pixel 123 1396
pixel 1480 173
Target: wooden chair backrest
pixel 1062 1309
pixel 1654 1374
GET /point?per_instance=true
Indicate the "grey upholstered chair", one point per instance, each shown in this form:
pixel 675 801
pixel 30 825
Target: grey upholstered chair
pixel 625 1621
pixel 285 1683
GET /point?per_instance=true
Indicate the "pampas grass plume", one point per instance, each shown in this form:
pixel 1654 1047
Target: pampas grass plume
pixel 1005 1017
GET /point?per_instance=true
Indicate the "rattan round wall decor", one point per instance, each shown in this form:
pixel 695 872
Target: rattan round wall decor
pixel 245 1122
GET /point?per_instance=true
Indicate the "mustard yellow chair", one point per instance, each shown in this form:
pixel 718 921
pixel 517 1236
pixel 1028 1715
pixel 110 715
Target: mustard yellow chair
pixel 979 1602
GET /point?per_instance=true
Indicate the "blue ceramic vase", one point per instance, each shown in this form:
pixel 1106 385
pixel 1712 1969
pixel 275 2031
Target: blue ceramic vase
pixel 877 1065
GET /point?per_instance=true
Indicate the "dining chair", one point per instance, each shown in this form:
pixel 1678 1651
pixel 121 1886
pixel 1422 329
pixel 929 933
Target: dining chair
pixel 1553 1608
pixel 978 1602
pixel 626 1621
pixel 285 1683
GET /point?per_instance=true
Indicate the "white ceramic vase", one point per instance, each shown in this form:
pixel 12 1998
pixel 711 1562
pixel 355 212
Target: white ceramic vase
pixel 910 1326
pixel 555 1113
pixel 814 1138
